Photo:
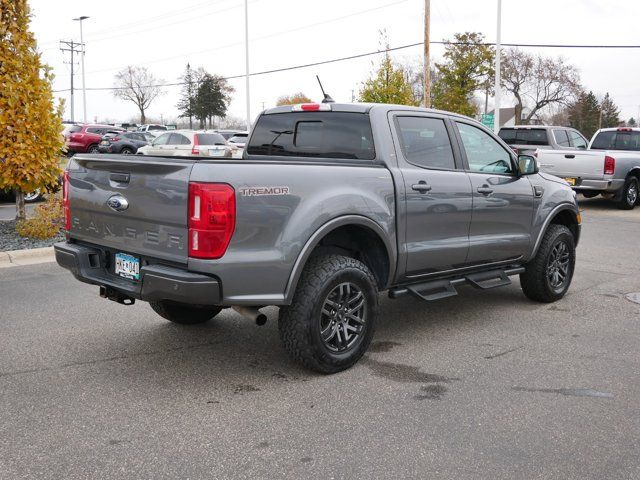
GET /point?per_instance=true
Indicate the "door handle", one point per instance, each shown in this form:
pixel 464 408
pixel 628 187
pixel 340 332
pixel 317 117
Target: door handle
pixel 421 187
pixel 569 156
pixel 485 190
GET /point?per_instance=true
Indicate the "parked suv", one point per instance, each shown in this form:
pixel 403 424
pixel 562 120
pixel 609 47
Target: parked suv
pixel 125 143
pixel 526 139
pixel 188 143
pixel 87 138
pixel 330 205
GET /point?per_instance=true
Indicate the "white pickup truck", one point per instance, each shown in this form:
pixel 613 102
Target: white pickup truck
pixel 609 167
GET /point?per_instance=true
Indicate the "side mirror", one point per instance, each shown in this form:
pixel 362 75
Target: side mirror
pixel 527 165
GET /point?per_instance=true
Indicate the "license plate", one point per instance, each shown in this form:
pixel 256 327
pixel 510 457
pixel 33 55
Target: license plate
pixel 127 266
pixel 570 181
pixel 216 153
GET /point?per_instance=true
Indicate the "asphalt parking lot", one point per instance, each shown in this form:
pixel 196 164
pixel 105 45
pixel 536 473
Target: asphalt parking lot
pixel 484 385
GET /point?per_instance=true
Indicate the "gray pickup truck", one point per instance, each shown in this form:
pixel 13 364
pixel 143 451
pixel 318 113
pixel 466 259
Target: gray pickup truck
pixel 610 167
pixel 330 204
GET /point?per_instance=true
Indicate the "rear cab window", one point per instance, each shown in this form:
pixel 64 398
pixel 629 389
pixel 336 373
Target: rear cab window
pixel 617 140
pixel 524 136
pixel 341 135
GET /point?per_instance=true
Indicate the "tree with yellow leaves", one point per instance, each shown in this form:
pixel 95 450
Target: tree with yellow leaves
pixel 388 85
pixel 30 125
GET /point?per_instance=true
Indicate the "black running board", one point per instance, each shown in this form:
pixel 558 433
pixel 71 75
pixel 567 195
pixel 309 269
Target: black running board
pixel 438 289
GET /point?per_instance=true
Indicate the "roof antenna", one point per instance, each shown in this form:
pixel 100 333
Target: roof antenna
pixel 327 98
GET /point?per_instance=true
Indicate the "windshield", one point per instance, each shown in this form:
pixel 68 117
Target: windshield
pixel 617 140
pixel 521 136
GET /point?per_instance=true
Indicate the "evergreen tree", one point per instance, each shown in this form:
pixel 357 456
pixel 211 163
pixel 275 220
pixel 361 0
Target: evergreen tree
pixel 186 104
pixel 212 98
pixel 584 114
pixel 632 122
pixel 610 113
pixel 30 125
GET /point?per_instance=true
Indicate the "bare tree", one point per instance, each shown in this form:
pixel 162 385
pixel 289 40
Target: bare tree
pixel 537 82
pixel 139 86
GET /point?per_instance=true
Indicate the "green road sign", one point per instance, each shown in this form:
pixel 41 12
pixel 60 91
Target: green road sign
pixel 487 120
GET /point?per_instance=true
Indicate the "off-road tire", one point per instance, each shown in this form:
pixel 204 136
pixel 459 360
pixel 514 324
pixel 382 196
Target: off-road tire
pixel 534 281
pixel 299 324
pixel 184 314
pixel 626 201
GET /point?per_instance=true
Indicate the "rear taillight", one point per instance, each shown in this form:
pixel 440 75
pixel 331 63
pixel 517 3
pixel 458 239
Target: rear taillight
pixel 196 142
pixel 609 165
pixel 114 139
pixel 212 219
pixel 65 201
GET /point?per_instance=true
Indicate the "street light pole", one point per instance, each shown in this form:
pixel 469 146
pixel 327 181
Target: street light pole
pixel 496 110
pixel 246 46
pixel 84 91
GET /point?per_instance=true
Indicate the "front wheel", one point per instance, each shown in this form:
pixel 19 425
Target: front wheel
pixel 629 194
pixel 184 314
pixel 548 276
pixel 332 319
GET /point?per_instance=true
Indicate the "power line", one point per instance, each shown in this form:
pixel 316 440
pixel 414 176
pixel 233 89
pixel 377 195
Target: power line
pixel 378 52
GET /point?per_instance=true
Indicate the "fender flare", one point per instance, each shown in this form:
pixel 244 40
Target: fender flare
pixel 320 233
pixel 557 209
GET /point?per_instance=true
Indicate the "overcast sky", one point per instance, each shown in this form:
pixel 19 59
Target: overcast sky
pixel 164 35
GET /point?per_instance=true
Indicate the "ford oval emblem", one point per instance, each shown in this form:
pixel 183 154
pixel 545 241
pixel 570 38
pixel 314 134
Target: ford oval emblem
pixel 118 203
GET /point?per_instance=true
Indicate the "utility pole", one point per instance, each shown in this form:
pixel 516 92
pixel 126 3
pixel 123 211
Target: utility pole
pixel 263 106
pixel 246 46
pixel 496 110
pixel 71 47
pixel 353 97
pixel 84 90
pixel 426 101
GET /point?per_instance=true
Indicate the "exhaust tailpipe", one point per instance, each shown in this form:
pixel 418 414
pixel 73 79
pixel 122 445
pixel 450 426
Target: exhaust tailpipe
pixel 252 313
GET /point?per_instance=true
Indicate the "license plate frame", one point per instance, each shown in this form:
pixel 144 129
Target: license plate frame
pixel 216 152
pixel 127 266
pixel 570 180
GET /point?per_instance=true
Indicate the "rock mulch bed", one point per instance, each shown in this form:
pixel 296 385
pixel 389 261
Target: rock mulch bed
pixel 10 240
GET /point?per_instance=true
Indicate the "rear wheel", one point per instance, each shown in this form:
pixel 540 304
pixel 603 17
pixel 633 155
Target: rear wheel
pixel 331 321
pixel 126 151
pixel 548 276
pixel 629 194
pixel 93 149
pixel 32 197
pixel 184 314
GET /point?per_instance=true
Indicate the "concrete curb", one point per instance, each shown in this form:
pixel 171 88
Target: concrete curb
pixel 30 256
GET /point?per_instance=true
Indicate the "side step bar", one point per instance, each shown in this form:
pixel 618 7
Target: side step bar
pixel 439 289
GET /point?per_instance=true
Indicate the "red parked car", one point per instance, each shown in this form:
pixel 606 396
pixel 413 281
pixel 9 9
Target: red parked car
pixel 86 138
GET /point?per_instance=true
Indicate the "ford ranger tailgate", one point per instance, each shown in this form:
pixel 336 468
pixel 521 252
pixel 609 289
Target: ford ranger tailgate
pixel 132 204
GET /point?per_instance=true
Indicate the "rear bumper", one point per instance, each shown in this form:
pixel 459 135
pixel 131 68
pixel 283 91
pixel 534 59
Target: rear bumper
pixel 612 185
pixel 157 282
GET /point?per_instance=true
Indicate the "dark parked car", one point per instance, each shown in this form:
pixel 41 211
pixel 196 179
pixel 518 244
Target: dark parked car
pixel 86 138
pixel 125 143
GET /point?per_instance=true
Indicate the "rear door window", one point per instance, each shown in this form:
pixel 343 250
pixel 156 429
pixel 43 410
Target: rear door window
pixel 425 142
pixel 162 139
pixel 342 135
pixel 561 137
